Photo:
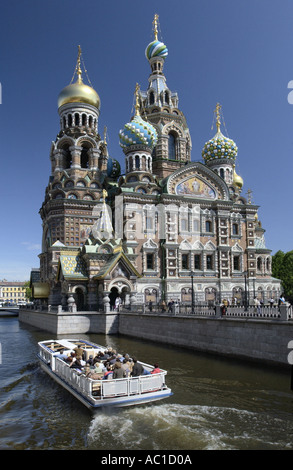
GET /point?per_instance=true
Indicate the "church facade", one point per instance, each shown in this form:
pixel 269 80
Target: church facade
pixel 169 228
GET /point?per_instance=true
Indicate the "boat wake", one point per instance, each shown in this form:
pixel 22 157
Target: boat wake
pixel 186 427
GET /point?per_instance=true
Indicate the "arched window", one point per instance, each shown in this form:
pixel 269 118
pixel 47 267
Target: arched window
pixel 259 264
pixel 235 229
pixel 208 226
pixel 84 156
pixel 152 98
pixel 84 119
pixel 184 225
pixel 76 119
pixel 67 159
pixel 172 146
pixel 137 162
pixel 222 173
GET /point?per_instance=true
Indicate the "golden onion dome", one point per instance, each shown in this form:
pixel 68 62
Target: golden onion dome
pixel 79 92
pixel 237 180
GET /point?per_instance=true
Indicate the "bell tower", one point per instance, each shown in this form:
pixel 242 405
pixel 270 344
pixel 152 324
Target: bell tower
pixel 159 106
pixel 79 160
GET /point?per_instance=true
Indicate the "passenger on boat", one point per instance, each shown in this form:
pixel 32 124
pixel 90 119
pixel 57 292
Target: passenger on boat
pixel 112 359
pixel 77 364
pixel 108 374
pixel 71 358
pixel 127 366
pixel 90 360
pixel 104 356
pixel 99 367
pixel 79 352
pixel 156 369
pixel 137 368
pixel 119 372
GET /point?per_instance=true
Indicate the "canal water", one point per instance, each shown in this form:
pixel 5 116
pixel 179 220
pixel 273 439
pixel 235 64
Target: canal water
pixel 217 403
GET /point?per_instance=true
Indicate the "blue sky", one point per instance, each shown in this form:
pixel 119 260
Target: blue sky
pixel 230 51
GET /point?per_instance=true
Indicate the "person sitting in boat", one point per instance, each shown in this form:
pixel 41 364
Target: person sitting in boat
pixel 137 368
pixel 156 369
pixel 90 360
pixel 104 356
pixel 77 364
pixel 99 367
pixel 118 372
pixel 70 359
pixel 127 366
pixel 108 375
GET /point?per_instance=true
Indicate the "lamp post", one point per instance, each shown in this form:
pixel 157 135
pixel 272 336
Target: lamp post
pixel 192 292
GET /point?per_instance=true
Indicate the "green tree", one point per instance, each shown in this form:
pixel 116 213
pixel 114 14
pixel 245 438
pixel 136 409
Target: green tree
pixel 277 261
pixel 286 274
pixel 28 291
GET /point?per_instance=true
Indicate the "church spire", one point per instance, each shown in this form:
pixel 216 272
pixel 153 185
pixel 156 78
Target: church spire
pixel 78 68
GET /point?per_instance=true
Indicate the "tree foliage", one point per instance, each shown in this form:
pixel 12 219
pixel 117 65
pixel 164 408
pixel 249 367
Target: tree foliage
pixel 282 268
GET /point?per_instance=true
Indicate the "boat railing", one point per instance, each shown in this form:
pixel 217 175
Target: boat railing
pixel 100 389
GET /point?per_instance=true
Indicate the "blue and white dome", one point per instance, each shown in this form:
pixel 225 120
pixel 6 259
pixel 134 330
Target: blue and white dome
pixel 138 132
pixel 156 49
pixel 219 147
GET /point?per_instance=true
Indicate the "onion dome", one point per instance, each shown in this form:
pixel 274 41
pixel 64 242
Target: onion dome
pixel 219 146
pixel 237 180
pixel 79 92
pixel 138 131
pixel 113 168
pixel 156 48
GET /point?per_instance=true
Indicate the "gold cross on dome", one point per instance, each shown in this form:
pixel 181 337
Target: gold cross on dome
pixel 218 117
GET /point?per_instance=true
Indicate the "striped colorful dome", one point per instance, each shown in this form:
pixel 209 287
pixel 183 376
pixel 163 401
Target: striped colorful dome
pixel 219 147
pixel 156 49
pixel 138 132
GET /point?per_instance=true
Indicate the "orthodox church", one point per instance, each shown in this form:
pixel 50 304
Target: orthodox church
pixel 169 228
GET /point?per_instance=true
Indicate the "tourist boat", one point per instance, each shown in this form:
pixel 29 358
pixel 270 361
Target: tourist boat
pixel 99 393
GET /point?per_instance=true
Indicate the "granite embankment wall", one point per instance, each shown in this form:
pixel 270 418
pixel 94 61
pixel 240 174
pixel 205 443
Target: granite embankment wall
pixel 259 340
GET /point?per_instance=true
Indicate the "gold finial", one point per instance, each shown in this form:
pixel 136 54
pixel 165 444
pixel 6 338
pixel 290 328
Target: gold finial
pixel 78 69
pixel 155 23
pixel 218 120
pixel 137 100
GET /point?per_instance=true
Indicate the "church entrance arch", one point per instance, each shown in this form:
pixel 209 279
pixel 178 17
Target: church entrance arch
pixel 114 294
pixel 125 295
pixel 122 289
pixel 79 293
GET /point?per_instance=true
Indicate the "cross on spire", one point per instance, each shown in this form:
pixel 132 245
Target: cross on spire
pixel 218 117
pixel 155 23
